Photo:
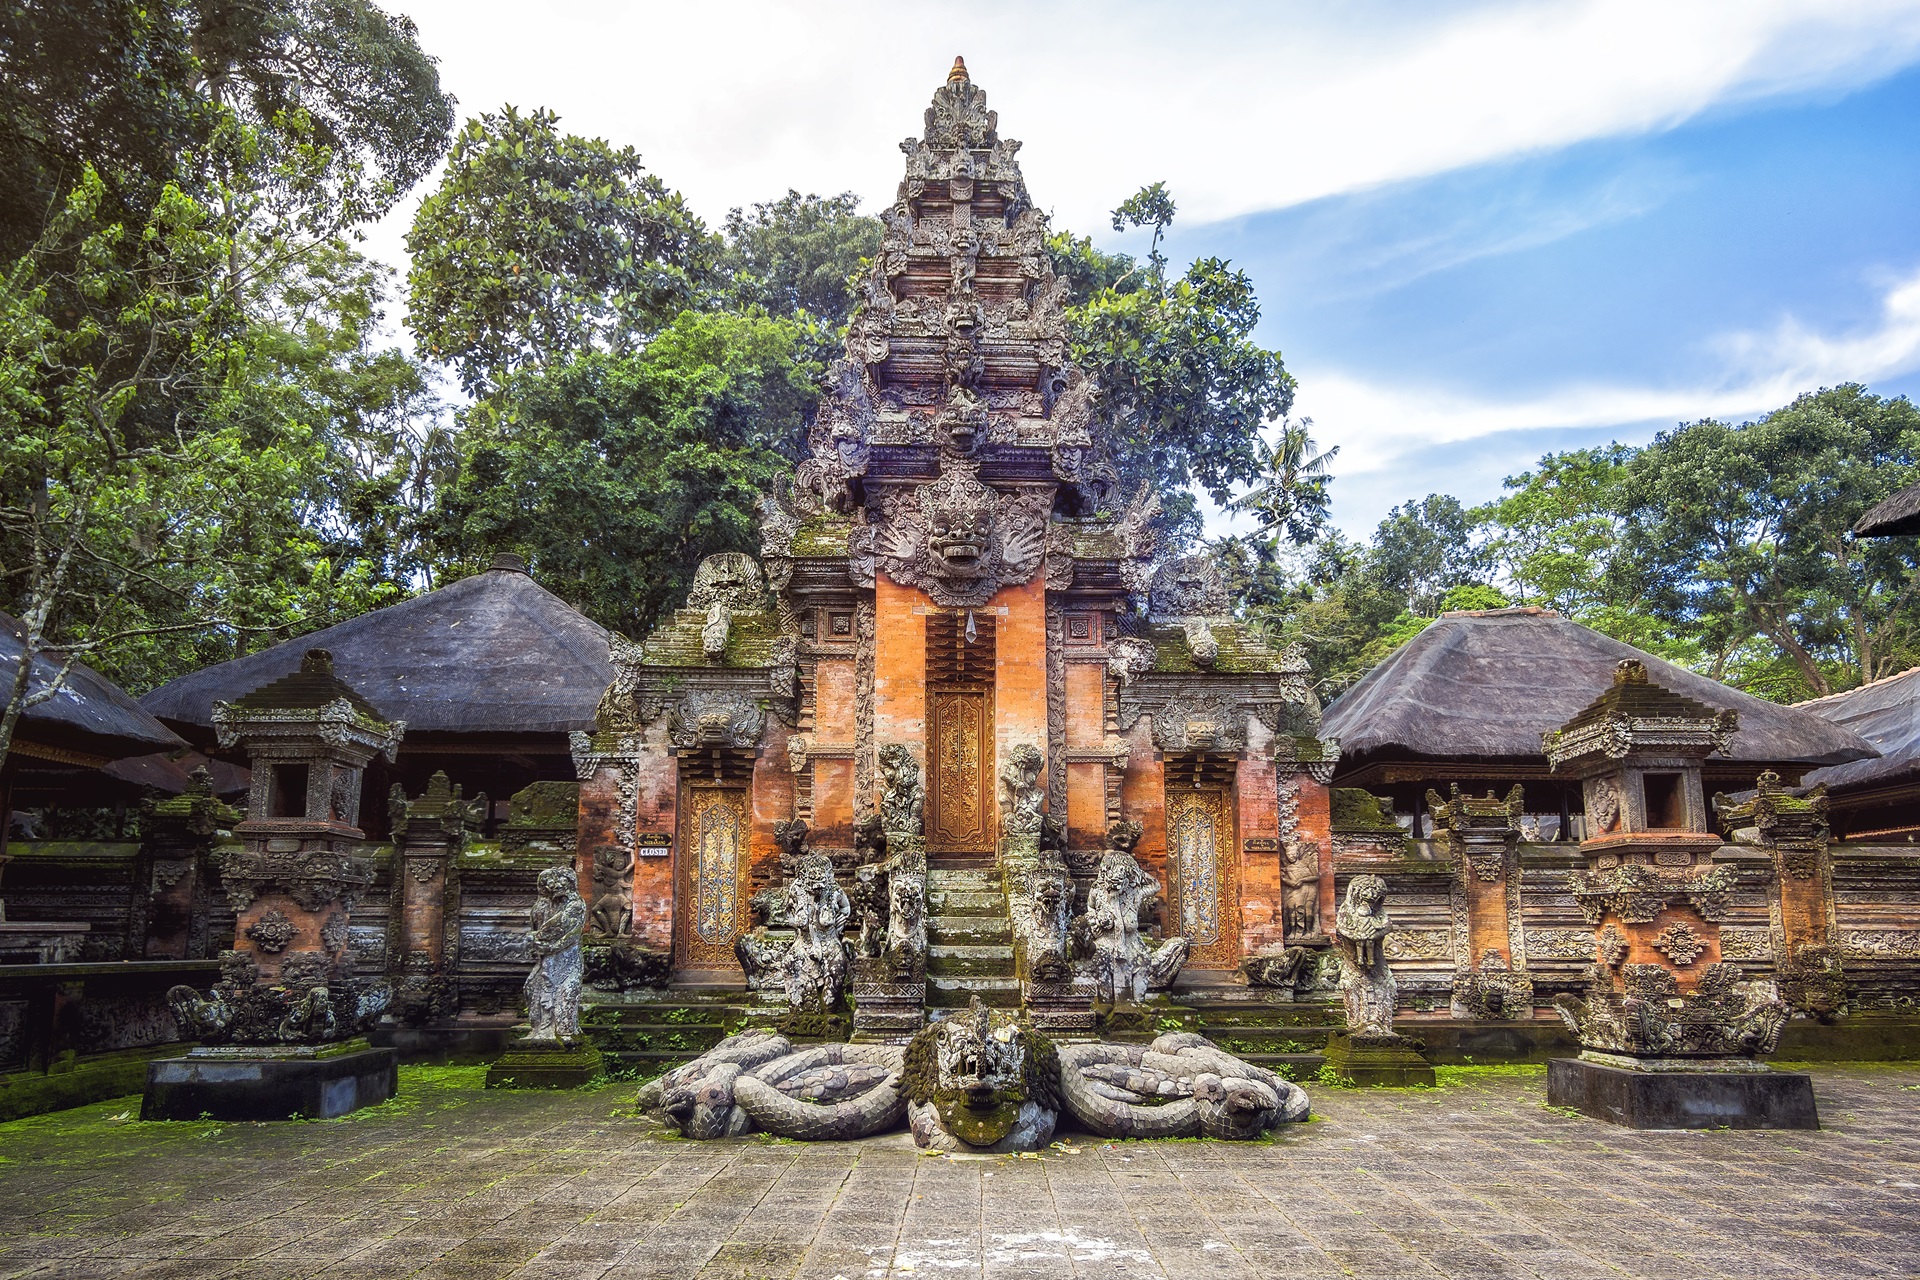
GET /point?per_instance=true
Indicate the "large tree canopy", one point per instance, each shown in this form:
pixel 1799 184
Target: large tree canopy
pixel 614 473
pixel 541 245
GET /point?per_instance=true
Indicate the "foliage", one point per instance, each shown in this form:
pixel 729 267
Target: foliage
pixel 1742 534
pixel 799 256
pixel 614 473
pixel 540 246
pixel 1180 379
pixel 1292 497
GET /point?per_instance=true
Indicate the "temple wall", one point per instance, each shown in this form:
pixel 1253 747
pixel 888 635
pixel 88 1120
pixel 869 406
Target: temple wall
pixel 1020 671
pixel 899 667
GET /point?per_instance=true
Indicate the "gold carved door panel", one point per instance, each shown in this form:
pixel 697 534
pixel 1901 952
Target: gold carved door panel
pixel 712 907
pixel 960 813
pixel 1205 891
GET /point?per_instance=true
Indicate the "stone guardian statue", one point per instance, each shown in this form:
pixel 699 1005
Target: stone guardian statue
pixel 558 918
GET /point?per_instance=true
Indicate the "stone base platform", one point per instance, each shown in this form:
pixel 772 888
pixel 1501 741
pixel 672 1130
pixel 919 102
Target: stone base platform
pixel 545 1064
pixel 887 1011
pixel 268 1082
pixel 1378 1062
pixel 1681 1099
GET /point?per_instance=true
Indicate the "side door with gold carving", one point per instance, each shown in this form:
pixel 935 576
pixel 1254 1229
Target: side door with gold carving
pixel 711 896
pixel 960 813
pixel 1201 865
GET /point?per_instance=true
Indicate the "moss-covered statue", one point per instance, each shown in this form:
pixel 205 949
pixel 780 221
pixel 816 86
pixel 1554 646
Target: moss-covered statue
pixel 985 1081
pixel 811 967
pixel 1124 964
pixel 759 1080
pixel 557 920
pixel 1180 1086
pixel 1360 933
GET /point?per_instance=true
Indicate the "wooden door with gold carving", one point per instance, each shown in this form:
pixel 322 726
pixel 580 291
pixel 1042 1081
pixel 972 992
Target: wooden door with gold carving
pixel 960 813
pixel 712 906
pixel 1200 862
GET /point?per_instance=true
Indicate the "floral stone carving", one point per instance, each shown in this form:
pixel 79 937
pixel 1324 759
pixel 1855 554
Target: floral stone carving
pixel 1679 943
pixel 272 931
pixel 1649 1017
pixel 903 802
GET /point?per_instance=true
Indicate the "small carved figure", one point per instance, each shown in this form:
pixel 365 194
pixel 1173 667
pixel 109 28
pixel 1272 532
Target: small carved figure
pixel 904 800
pixel 907 917
pixel 1367 987
pixel 1300 886
pixel 557 919
pixel 1048 924
pixel 612 891
pixel 1123 963
pixel 812 967
pixel 310 1019
pixel 1020 791
pixel 199 1018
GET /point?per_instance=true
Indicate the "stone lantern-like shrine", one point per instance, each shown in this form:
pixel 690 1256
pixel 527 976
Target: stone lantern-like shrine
pixel 1670 1034
pixel 280 1030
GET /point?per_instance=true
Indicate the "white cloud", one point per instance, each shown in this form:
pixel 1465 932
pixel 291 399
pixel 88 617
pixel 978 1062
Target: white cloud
pixel 1379 425
pixel 1238 107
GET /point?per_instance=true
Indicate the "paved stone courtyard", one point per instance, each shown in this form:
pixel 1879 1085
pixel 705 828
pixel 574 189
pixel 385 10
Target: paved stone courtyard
pixel 1474 1179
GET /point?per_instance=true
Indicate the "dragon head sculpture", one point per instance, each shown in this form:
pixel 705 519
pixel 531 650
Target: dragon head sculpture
pixel 978 1070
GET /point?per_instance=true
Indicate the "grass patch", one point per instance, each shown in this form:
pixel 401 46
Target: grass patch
pixel 1445 1075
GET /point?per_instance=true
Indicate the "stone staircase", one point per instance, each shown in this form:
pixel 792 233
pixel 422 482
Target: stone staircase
pixel 969 940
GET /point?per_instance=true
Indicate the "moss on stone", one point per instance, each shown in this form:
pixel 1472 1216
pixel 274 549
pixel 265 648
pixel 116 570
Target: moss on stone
pixel 1356 809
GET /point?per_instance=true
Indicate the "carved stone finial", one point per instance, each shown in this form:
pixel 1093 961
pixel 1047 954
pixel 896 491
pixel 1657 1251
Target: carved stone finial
pixel 959 71
pixel 317 662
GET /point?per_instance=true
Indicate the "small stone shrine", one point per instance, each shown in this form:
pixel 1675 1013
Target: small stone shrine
pixel 281 1030
pixel 1671 1033
pixel 1033 761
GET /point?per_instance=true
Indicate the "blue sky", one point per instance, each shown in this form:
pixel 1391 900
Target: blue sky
pixel 1480 231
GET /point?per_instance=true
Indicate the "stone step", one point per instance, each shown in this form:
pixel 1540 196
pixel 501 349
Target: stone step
pixel 964 931
pixel 952 992
pixel 971 961
pixel 1300 1015
pixel 974 881
pixel 1265 1040
pixel 965 902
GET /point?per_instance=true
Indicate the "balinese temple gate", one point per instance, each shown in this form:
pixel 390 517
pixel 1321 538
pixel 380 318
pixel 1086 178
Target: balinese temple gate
pixel 956 570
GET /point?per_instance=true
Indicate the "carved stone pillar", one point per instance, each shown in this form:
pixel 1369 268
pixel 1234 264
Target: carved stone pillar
pixel 1793 830
pixel 1482 835
pixel 428 836
pixel 174 869
pixel 288 988
pixel 627 817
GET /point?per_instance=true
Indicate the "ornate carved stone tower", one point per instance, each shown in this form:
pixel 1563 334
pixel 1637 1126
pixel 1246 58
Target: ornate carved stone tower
pixel 953 572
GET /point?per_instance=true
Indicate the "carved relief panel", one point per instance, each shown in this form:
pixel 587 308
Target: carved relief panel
pixel 960 811
pixel 714 836
pixel 1200 863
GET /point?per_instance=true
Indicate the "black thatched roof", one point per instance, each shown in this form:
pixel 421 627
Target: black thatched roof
pixel 1885 713
pixel 1896 515
pixel 1485 685
pixel 496 653
pixel 90 714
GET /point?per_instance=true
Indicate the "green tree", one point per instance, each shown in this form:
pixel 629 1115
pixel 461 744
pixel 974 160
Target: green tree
pixel 1291 498
pixel 614 473
pixel 1742 534
pixel 1181 380
pixel 539 246
pixel 798 256
pixel 1423 549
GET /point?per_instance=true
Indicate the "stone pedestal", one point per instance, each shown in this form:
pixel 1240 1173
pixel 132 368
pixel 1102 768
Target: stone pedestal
pixel 1683 1098
pixel 1062 1008
pixel 545 1064
pixel 1392 1062
pixel 265 1082
pixel 887 1008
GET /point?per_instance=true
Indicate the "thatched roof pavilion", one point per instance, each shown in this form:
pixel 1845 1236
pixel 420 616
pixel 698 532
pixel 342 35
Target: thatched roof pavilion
pixel 1878 798
pixel 64 746
pixel 1892 517
pixel 489 673
pixel 1468 698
